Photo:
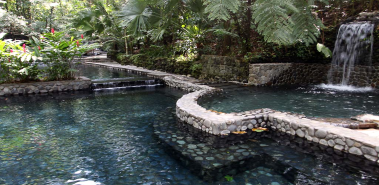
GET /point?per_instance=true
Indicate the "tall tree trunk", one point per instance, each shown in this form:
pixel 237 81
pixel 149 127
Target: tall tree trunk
pixel 6 5
pixel 51 16
pixel 126 42
pixel 247 29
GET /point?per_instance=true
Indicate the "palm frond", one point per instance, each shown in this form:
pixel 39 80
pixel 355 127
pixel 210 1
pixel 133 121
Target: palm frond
pixel 135 15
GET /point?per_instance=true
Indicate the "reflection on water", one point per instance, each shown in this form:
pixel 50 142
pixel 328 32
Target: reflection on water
pixel 95 72
pixel 87 138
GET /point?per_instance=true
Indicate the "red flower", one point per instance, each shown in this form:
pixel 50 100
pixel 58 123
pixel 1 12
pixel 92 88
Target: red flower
pixel 39 48
pixel 82 36
pixel 11 50
pixel 52 30
pixel 23 47
pixel 77 43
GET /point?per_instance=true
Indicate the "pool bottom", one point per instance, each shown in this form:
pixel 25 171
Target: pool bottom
pixel 296 160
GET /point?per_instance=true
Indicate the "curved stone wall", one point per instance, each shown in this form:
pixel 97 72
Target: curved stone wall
pixel 341 139
pixel 216 123
pixel 44 87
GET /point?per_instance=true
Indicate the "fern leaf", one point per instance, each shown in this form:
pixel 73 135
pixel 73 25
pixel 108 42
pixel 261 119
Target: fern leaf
pixel 220 9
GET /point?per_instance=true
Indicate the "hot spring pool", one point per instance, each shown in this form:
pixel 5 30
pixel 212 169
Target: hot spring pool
pixel 108 138
pixel 312 101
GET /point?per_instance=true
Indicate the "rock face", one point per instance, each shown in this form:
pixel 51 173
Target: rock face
pixel 44 87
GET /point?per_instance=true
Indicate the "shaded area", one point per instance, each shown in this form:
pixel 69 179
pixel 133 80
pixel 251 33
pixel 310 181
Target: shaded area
pixel 293 159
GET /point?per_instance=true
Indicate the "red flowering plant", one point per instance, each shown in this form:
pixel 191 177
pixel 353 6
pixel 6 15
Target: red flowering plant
pixel 59 51
pixel 17 62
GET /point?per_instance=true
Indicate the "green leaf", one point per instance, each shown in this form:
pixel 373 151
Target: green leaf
pixel 324 50
pixel 23 58
pixel 221 9
pixel 228 178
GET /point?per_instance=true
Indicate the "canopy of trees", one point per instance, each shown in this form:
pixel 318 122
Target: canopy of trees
pixel 251 29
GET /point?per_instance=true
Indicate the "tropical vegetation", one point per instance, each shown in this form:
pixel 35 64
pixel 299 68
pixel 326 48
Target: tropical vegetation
pixel 171 35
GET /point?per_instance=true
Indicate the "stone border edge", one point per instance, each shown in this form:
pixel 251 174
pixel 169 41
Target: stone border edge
pixel 82 83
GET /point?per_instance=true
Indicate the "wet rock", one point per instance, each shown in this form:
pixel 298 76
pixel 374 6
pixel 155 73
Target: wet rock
pixel 323 142
pixel 232 128
pixel 349 142
pixel 339 147
pixel 368 150
pixel 321 134
pixel 311 131
pixel 191 146
pixel 300 133
pixel 371 158
pixel 207 123
pixel 217 165
pixel 199 158
pixel 230 158
pixel 340 142
pixel 225 132
pixel 331 143
pixel 245 153
pixel 355 151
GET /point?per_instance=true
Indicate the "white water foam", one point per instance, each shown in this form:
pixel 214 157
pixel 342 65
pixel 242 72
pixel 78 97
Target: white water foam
pixel 346 88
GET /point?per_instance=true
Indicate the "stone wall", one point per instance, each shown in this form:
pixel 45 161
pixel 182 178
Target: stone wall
pixel 288 74
pixel 222 68
pixel 341 139
pixel 361 76
pixel 44 87
pixel 305 74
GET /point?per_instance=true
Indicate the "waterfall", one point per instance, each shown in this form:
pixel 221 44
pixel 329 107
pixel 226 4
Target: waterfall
pixel 101 85
pixel 354 45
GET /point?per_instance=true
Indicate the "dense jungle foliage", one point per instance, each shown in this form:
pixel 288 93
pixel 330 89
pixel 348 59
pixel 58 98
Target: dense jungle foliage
pixel 171 35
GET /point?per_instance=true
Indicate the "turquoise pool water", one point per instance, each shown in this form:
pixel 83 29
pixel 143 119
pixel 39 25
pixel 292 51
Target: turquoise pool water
pixel 108 138
pixel 313 101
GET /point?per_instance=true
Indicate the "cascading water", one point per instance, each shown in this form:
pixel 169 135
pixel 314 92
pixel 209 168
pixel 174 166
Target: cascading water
pixel 354 45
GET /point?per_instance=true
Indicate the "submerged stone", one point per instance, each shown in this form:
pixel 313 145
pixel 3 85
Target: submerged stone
pixel 192 146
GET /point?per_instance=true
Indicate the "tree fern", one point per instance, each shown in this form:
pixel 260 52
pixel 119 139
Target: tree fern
pixel 274 20
pixel 306 25
pixel 220 9
pixel 286 21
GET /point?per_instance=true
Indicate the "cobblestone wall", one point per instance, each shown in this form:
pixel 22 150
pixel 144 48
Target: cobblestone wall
pixel 288 74
pixel 222 68
pixel 305 74
pixel 44 87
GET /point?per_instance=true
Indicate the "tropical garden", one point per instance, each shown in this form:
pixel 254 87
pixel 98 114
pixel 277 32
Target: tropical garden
pixel 169 35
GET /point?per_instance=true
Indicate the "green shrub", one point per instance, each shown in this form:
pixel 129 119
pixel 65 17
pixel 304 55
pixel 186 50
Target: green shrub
pixel 58 51
pixel 17 63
